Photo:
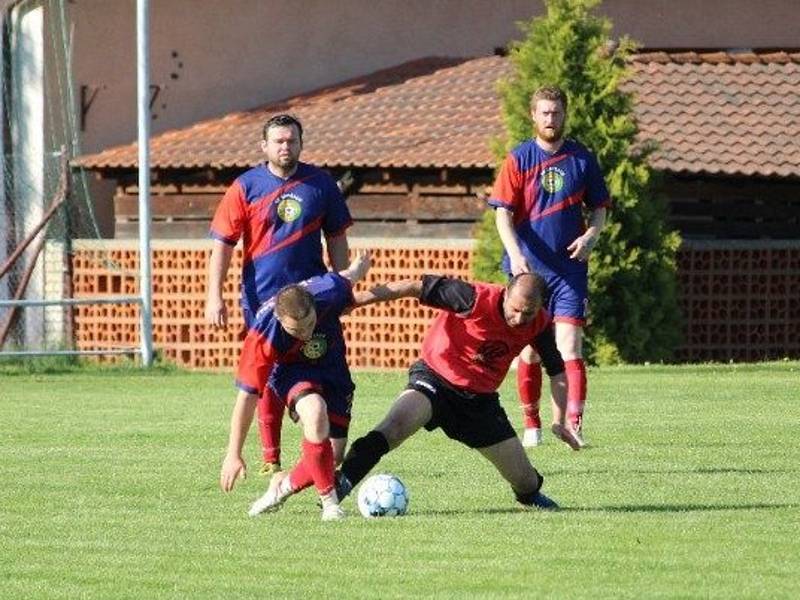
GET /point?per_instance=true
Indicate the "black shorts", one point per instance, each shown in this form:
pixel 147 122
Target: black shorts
pixel 476 420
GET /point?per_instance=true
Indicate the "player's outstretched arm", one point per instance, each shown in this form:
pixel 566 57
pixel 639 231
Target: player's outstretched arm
pixel 233 467
pixel 383 292
pixel 358 267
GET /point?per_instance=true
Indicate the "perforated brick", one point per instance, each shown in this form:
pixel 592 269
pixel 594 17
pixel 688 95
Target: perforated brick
pixel 739 302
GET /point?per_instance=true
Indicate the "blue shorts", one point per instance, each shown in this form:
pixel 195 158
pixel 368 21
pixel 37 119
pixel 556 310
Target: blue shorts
pixel 568 297
pixel 293 381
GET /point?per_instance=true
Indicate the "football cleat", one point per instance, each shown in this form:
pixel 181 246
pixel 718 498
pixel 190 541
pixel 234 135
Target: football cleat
pixel 543 502
pixel 332 512
pixel 276 495
pixel 532 437
pixel 570 436
pixel 270 468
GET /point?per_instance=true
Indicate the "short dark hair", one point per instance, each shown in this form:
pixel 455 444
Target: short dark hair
pixel 532 285
pixel 293 301
pixel 282 120
pixel 549 92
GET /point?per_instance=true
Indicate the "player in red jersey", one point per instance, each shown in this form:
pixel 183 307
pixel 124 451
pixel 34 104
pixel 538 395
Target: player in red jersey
pixel 296 347
pixel 280 209
pixel 539 195
pixel 466 354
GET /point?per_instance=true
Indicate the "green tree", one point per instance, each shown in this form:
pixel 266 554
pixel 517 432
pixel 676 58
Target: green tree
pixel 632 272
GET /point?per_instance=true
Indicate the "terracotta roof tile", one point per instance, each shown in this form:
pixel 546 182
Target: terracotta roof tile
pixel 721 112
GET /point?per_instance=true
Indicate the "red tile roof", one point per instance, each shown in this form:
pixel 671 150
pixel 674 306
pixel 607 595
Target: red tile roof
pixel 722 112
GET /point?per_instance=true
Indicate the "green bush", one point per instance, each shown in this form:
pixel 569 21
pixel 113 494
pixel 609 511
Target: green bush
pixel 634 315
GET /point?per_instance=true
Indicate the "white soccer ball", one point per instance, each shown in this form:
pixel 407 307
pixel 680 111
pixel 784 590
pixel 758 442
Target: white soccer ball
pixel 383 495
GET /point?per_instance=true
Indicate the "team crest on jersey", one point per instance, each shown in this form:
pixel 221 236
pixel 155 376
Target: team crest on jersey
pixel 552 179
pixel 490 351
pixel 316 347
pixel 289 208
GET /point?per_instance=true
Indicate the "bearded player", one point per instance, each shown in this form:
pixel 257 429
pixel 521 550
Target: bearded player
pixel 539 197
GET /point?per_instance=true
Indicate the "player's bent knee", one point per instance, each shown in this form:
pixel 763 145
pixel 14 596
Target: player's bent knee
pixel 313 414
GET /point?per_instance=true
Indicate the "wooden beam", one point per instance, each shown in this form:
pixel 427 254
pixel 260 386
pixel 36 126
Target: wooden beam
pixel 180 206
pixel 423 207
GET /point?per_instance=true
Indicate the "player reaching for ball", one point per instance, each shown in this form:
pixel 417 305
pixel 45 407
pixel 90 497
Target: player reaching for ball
pixel 466 354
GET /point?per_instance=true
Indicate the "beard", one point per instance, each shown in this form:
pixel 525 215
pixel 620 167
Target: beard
pixel 286 162
pixel 550 135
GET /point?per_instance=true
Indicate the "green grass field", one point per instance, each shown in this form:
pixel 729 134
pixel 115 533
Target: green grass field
pixel 690 489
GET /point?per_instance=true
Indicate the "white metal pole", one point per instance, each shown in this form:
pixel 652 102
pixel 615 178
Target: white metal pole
pixel 143 85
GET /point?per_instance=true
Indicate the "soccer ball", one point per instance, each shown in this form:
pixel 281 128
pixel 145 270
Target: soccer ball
pixel 383 495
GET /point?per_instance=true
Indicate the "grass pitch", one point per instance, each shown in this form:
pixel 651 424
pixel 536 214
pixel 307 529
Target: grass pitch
pixel 690 489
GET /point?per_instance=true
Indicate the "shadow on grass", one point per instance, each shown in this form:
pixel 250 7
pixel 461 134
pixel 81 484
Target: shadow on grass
pixel 697 471
pixel 677 508
pixel 634 508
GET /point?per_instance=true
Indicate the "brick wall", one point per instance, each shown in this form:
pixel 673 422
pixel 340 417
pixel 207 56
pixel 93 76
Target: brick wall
pixel 382 336
pixel 740 301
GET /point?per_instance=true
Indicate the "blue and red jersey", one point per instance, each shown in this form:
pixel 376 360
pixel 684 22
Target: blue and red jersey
pixel 546 194
pixel 281 222
pixel 473 350
pixel 318 360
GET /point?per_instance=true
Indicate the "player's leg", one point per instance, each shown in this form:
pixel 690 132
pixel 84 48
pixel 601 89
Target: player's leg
pixel 315 466
pixel 269 408
pixel 338 444
pixel 510 460
pixel 317 455
pixel 569 339
pixel 410 411
pixel 339 409
pixel 270 420
pixel 568 302
pixel 529 389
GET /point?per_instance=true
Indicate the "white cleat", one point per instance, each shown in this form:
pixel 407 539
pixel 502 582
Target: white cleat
pixel 532 437
pixel 332 512
pixel 276 495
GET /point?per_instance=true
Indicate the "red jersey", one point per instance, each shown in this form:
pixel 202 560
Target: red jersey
pixel 474 350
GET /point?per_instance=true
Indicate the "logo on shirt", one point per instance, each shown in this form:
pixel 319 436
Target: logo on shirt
pixel 490 351
pixel 552 179
pixel 289 208
pixel 316 347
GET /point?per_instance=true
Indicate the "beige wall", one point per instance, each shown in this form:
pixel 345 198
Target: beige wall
pixel 216 56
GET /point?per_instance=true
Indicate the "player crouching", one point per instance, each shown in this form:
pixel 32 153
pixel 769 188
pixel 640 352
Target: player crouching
pixel 298 332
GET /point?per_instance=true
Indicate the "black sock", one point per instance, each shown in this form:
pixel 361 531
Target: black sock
pixel 364 454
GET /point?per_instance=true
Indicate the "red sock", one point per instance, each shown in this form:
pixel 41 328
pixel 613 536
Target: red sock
pixel 529 388
pixel 317 459
pixel 576 389
pixel 270 418
pixel 300 477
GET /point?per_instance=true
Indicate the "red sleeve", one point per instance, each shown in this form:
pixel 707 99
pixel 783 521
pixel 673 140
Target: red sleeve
pixel 228 222
pixel 508 187
pixel 255 363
